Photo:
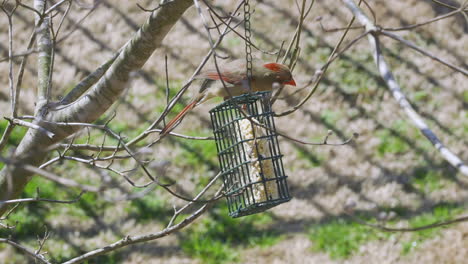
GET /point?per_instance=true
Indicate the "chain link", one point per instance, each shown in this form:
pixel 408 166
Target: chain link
pixel 248 47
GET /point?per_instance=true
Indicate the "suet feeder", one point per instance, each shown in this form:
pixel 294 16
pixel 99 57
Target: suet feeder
pixel 249 154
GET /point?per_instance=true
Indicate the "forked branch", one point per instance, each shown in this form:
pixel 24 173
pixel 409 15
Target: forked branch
pixel 392 84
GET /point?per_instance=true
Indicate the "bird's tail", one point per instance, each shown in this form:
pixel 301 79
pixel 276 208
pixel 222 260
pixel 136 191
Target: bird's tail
pixel 168 128
pixel 202 97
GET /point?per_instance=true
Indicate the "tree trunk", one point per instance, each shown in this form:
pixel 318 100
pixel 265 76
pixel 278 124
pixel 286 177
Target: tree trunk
pixel 33 148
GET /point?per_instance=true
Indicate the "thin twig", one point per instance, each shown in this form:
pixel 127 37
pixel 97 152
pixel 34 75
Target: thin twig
pixel 56 5
pixel 88 81
pixel 5 217
pixel 37 199
pixel 20 54
pixel 413 46
pixel 20 122
pixel 330 30
pixel 155 8
pixel 409 229
pixel 10 126
pixel 26 250
pixel 425 22
pixel 120 148
pixel 60 180
pixel 129 240
pixel 77 24
pixel 30 8
pixel 9 14
pixel 200 194
pixel 212 11
pixel 19 78
pixel 444 4
pixel 296 39
pixel 318 76
pixel 54 34
pixel 41 241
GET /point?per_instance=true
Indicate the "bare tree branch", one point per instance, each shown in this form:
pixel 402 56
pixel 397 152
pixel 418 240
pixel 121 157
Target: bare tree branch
pixel 296 39
pixel 26 250
pixel 10 126
pixel 427 22
pixel 44 45
pixel 15 99
pixel 56 5
pixel 88 81
pixel 413 46
pixel 9 14
pixel 129 240
pixel 445 4
pixel 392 84
pixel 38 199
pixel 32 149
pixel 30 8
pixel 20 122
pixel 319 74
pixel 409 229
pixel 60 180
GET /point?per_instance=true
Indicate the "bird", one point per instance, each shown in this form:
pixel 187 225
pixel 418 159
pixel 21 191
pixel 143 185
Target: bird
pixel 233 74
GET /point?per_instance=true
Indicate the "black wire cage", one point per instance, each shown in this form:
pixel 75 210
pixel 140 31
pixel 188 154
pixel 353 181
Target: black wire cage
pixel 249 154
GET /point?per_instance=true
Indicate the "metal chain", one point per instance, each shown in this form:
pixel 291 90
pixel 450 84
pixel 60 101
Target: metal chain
pixel 248 47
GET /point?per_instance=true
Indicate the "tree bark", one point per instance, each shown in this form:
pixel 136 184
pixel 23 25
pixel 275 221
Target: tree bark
pixel 88 108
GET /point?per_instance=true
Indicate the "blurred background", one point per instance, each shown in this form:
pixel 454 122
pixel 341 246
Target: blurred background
pixel 391 172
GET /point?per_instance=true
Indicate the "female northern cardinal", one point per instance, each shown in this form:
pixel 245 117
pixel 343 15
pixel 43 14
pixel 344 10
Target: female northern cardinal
pixel 264 76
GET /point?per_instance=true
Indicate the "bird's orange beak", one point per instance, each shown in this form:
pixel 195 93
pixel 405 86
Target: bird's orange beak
pixel 291 82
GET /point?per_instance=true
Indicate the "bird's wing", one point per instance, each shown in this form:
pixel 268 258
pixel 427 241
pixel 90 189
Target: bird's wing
pixel 226 76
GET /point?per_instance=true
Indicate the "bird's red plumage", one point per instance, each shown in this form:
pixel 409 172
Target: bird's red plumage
pixel 273 66
pixel 216 76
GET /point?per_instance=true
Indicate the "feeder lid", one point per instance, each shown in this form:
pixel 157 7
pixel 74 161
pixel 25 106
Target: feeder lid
pixel 240 99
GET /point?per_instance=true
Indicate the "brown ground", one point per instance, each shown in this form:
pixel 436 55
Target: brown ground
pixel 352 173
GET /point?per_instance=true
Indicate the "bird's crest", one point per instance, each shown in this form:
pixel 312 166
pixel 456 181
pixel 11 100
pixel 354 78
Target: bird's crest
pixel 276 67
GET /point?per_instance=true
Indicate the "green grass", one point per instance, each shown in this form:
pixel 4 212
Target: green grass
pixel 330 116
pixel 197 152
pixel 29 217
pixel 15 137
pixel 420 96
pixel 233 42
pixel 149 207
pixel 465 97
pixel 442 212
pixel 313 159
pixel 61 250
pixel 174 87
pixel 17 134
pixel 46 188
pixel 428 180
pixel 342 237
pixel 199 156
pixel 465 124
pixel 390 143
pixel 361 80
pixel 219 238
